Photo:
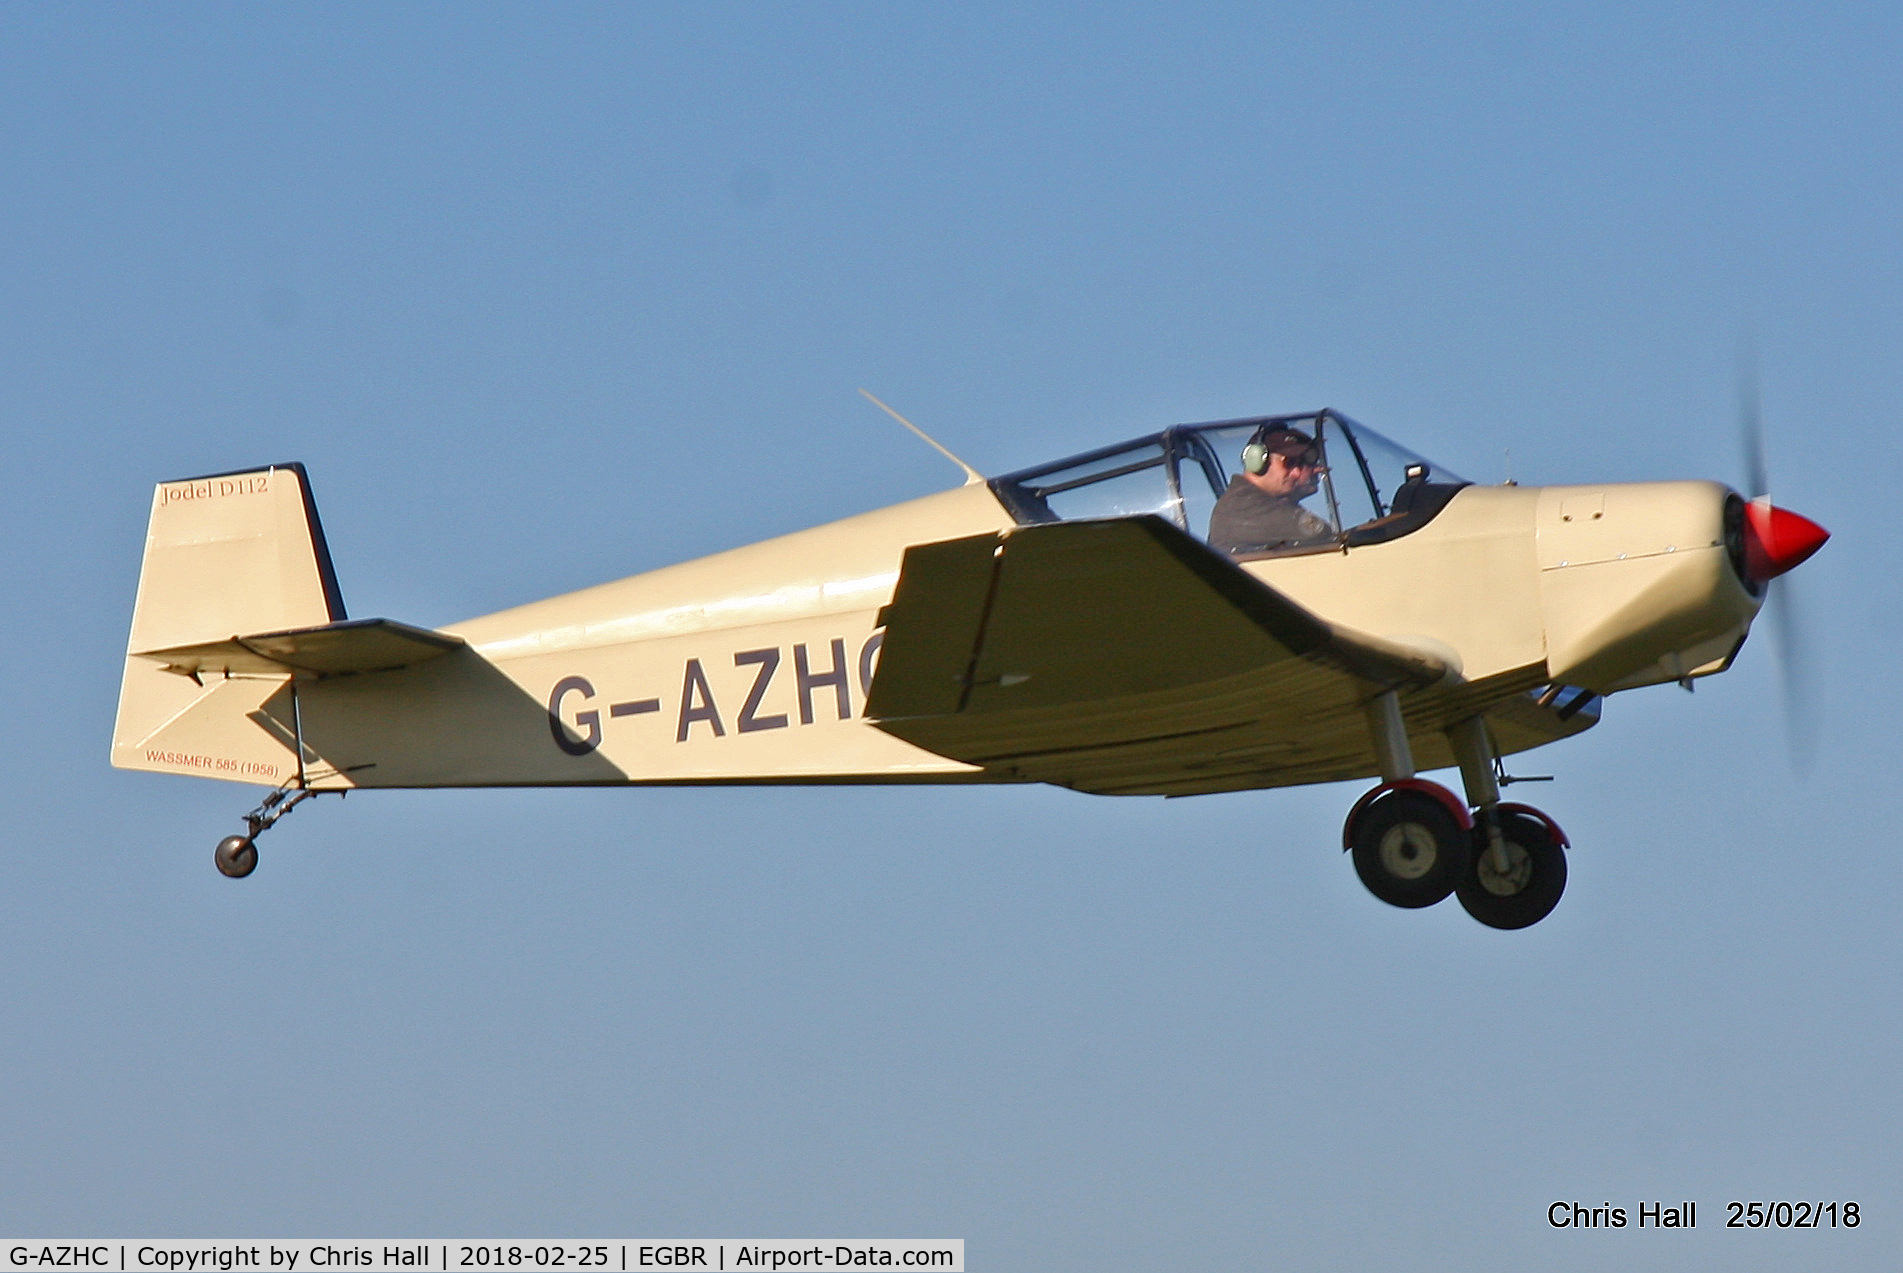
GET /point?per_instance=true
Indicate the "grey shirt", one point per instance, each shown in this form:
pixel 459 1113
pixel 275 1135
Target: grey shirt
pixel 1248 519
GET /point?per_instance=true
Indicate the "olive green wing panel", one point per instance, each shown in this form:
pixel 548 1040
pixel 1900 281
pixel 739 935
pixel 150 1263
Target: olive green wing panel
pixel 1056 615
pixel 1120 655
pixel 943 594
pixel 1094 610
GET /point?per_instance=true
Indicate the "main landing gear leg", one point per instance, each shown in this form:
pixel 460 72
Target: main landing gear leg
pixel 1474 752
pixel 1519 860
pixel 1411 839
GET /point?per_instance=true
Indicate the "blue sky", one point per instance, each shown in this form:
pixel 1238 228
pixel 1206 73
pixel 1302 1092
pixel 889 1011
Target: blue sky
pixel 549 296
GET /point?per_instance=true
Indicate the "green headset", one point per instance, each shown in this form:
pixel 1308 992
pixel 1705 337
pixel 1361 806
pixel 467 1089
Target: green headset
pixel 1255 456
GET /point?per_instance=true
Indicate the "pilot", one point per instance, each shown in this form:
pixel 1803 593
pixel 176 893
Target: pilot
pixel 1262 508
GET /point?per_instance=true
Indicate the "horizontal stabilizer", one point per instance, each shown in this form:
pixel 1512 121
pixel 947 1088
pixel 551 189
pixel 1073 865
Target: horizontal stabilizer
pixel 332 649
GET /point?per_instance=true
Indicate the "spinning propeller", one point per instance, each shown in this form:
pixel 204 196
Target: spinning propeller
pixel 1775 541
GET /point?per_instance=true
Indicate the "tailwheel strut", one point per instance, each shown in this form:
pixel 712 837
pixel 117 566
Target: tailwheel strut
pixel 237 855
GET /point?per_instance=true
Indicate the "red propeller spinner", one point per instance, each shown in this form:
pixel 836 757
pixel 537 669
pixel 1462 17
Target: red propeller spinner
pixel 1776 540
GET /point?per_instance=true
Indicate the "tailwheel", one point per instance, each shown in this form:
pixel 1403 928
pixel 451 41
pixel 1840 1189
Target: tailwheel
pixel 1526 889
pixel 236 856
pixel 1411 843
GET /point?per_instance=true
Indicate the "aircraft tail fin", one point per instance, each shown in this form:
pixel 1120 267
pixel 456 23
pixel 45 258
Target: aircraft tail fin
pixel 225 555
pixel 235 552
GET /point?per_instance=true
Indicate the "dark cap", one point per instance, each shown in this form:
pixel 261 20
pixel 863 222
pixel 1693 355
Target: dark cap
pixel 1290 443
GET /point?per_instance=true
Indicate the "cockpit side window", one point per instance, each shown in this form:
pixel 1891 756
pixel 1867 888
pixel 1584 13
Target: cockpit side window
pixel 1369 489
pixel 1200 477
pixel 1275 492
pixel 1119 481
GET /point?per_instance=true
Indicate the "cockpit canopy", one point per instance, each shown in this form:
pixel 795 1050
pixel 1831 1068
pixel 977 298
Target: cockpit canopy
pixel 1368 490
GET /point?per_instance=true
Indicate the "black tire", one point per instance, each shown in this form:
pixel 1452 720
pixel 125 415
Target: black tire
pixel 236 856
pixel 1534 881
pixel 1409 851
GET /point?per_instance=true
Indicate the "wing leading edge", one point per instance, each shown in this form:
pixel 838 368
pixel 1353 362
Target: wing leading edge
pixel 1124 656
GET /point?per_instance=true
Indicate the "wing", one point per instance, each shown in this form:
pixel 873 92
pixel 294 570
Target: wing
pixel 1125 656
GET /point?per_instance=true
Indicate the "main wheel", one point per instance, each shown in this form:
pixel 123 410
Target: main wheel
pixel 236 856
pixel 1408 849
pixel 1528 890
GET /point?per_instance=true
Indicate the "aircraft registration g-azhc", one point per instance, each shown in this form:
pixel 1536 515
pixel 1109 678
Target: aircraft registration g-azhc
pixel 1214 607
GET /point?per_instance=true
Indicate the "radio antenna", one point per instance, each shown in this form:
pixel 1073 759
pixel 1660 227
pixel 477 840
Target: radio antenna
pixel 972 475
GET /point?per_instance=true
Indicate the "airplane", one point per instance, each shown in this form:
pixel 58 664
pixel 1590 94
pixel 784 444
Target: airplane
pixel 1069 623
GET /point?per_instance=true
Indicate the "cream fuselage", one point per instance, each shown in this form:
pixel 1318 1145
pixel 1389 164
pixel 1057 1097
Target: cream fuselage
pixel 754 665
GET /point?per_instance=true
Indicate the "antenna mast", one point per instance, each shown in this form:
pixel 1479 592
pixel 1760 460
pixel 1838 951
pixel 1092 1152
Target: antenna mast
pixel 972 475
